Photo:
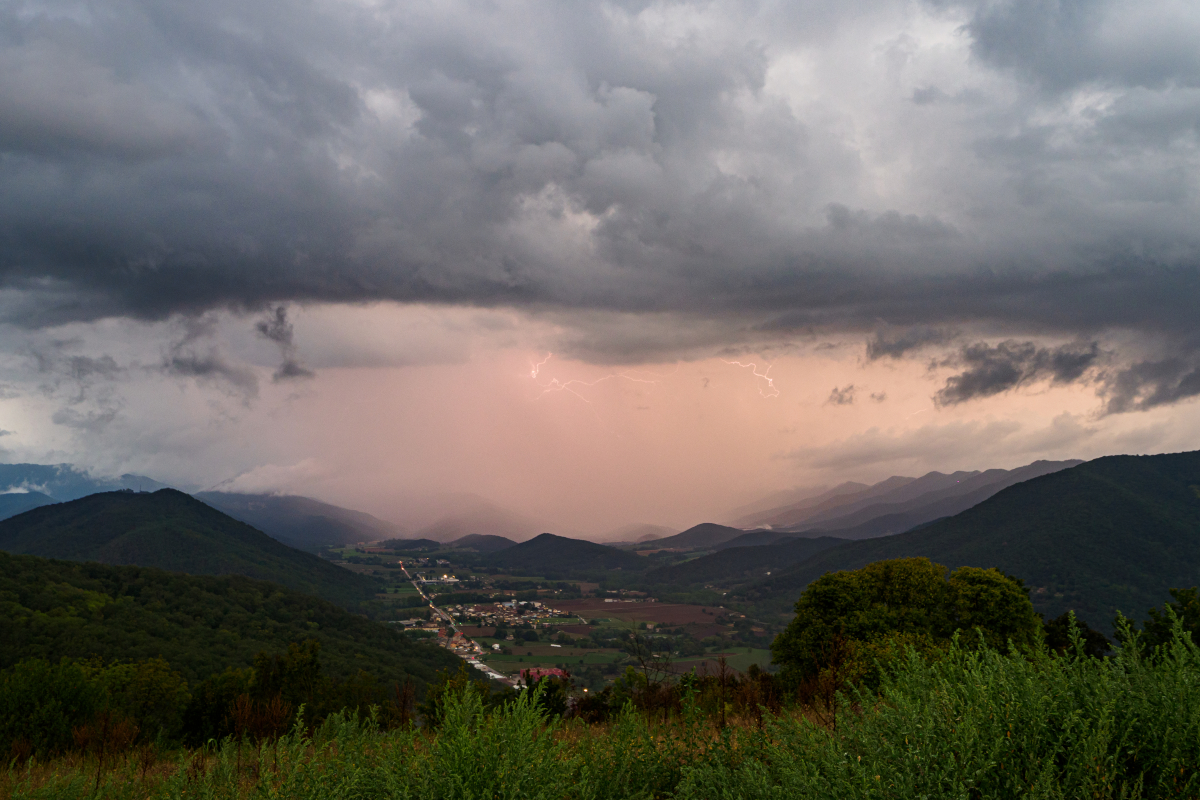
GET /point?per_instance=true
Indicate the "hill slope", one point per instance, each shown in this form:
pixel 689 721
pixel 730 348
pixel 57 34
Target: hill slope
pixel 900 511
pixel 740 564
pixel 301 521
pixel 1114 533
pixel 556 555
pixel 201 625
pixel 482 543
pixel 174 531
pixel 697 537
pixel 15 503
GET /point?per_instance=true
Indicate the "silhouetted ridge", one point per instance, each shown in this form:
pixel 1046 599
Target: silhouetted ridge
pixel 1111 534
pixel 173 531
pixel 549 554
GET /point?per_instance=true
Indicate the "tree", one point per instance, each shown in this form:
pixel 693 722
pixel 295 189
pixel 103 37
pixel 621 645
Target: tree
pixel 849 623
pixel 1058 637
pixel 1157 630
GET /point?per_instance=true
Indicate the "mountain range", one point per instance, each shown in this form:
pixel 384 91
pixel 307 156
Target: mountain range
pixel 1113 534
pixel 301 521
pixel 894 505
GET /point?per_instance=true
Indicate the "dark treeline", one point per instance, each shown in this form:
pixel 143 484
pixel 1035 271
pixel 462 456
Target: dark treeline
pixel 48 709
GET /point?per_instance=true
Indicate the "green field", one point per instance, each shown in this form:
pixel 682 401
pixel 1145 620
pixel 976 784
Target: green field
pixel 590 658
pixel 739 658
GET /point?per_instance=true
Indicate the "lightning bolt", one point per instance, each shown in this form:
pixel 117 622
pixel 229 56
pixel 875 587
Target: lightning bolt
pixel 533 373
pixel 572 386
pixel 770 389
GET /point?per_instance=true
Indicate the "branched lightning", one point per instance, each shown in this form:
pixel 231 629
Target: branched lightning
pixel 767 390
pixel 555 385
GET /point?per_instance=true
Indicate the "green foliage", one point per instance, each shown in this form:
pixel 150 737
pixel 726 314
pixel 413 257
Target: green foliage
pixel 200 625
pixel 40 705
pixel 848 623
pixel 173 531
pixel 448 689
pixel 149 692
pixel 44 708
pixel 976 723
pixel 1057 636
pixel 1157 630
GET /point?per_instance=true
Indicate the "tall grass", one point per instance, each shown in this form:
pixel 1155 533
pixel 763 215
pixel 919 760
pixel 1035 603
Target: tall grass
pixel 976 724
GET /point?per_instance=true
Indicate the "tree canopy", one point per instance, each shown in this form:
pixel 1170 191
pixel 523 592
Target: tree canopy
pixel 848 622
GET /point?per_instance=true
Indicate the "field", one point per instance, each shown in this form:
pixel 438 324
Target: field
pixel 542 654
pixel 738 658
pixel 659 613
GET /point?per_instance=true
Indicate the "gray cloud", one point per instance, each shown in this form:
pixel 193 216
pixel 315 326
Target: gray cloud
pixel 992 369
pixel 279 330
pixel 592 159
pixel 842 397
pixel 94 421
pixel 1146 384
pixel 195 358
pixel 893 344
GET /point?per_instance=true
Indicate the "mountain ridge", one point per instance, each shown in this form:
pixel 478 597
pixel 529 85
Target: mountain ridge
pixel 1110 534
pixel 174 531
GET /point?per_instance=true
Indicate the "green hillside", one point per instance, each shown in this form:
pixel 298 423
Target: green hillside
pixel 201 625
pixel 552 556
pixel 741 564
pixel 1112 534
pixel 173 531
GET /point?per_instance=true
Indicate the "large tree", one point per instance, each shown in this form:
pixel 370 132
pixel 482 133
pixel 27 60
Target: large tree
pixel 847 623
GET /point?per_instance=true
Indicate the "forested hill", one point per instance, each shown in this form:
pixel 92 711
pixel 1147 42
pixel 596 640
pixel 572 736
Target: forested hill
pixel 551 556
pixel 1111 534
pixel 174 531
pixel 201 625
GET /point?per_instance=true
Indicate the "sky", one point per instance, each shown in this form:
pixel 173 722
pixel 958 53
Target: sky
pixel 596 263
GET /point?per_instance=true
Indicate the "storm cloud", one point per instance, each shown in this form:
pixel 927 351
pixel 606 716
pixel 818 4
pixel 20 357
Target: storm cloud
pixel 989 370
pixel 748 172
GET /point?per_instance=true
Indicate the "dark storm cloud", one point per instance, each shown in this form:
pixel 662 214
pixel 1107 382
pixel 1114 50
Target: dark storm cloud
pixel 584 159
pixel 1147 384
pixel 892 344
pixel 989 370
pixel 279 330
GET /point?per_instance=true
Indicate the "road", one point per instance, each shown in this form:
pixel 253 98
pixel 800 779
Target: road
pixel 449 620
pixel 442 615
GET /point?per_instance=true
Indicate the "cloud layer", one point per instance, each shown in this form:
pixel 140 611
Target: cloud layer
pixel 1025 165
pixel 218 215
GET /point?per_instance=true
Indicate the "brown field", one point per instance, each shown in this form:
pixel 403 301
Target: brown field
pixel 471 631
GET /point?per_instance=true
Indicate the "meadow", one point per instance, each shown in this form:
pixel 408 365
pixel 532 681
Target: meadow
pixel 975 722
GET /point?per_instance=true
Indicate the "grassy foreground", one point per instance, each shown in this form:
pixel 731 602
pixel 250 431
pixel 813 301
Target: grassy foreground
pixel 975 724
